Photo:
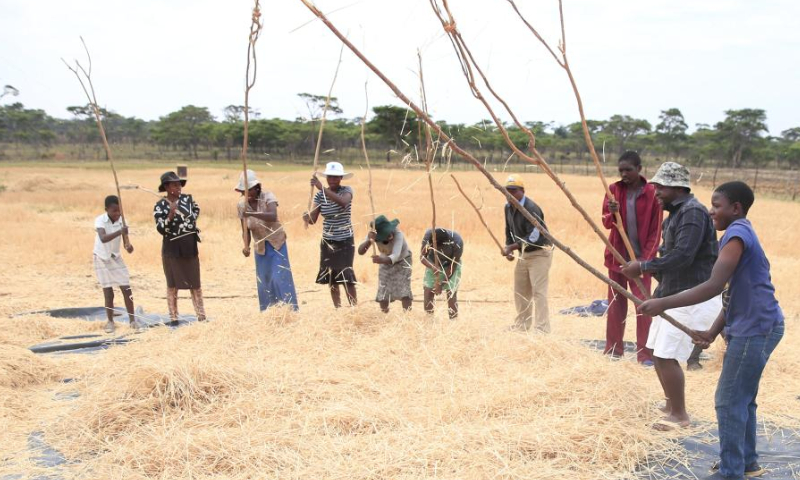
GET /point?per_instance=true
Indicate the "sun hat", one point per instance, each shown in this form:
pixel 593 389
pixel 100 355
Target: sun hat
pixel 168 177
pixel 671 174
pixel 335 169
pixel 384 227
pixel 252 181
pixel 514 181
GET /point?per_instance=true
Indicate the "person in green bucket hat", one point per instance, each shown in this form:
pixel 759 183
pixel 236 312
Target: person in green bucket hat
pixel 394 260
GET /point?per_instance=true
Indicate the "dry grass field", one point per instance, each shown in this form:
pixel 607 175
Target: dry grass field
pixel 335 394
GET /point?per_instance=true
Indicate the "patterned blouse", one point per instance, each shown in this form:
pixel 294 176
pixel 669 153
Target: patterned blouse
pixel 262 232
pixel 180 236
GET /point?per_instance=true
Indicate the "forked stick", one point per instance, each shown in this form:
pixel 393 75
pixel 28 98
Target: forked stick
pixel 477 164
pixel 92 98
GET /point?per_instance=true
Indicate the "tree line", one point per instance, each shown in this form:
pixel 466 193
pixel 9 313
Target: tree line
pixel 740 139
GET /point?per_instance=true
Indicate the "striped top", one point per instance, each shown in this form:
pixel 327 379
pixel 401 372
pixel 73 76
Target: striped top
pixel 336 224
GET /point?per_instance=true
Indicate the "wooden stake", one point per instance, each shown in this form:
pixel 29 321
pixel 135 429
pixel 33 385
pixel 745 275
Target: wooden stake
pixel 92 98
pixel 477 164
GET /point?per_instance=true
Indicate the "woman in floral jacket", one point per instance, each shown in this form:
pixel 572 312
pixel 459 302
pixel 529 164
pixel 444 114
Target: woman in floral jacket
pixel 176 220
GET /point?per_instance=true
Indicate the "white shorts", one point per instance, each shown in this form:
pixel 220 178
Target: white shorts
pixel 667 341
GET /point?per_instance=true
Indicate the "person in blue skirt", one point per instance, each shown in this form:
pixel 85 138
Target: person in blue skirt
pixel 258 212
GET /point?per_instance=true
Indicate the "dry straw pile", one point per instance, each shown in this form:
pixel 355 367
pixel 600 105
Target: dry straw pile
pixel 334 394
pixel 355 396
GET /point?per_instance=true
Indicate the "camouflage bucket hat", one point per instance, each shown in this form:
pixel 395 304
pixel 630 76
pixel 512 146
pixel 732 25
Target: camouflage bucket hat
pixel 671 174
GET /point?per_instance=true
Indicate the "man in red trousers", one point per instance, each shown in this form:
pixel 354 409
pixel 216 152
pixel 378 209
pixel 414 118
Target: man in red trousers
pixel 642 215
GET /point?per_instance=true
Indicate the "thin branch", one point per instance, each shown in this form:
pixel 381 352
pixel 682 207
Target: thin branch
pixel 78 70
pixel 366 157
pixel 428 167
pixel 478 211
pixel 322 126
pixel 255 31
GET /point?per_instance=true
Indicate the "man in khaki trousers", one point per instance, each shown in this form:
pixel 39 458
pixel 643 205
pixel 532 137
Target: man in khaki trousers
pixel 532 272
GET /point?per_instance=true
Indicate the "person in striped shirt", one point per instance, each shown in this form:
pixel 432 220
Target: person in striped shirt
pixel 337 248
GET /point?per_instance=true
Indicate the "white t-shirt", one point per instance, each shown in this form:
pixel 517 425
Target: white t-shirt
pixel 105 251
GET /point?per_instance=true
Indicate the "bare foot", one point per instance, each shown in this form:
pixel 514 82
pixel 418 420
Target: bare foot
pixel 109 327
pixel 670 422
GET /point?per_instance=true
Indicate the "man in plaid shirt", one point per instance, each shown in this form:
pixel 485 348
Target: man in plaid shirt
pixel 686 257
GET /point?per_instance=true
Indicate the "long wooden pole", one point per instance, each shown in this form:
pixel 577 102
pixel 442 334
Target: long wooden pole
pixel 429 154
pixel 366 157
pixel 322 128
pixel 477 164
pixel 250 81
pixel 92 98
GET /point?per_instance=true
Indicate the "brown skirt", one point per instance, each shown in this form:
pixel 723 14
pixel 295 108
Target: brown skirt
pixel 182 273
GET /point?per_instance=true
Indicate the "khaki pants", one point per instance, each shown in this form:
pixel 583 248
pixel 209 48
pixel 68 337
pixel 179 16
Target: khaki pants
pixel 531 279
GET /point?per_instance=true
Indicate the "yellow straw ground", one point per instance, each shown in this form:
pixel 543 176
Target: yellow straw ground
pixel 335 394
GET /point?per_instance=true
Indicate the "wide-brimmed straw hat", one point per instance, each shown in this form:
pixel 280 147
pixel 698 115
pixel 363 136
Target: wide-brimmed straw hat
pixel 252 181
pixel 168 177
pixel 671 174
pixel 335 169
pixel 383 227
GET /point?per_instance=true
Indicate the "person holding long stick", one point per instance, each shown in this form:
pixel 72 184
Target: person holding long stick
pixel 752 325
pixel 176 220
pixel 455 148
pixel 258 213
pixel 532 272
pixel 635 201
pixel 686 257
pixel 394 260
pixel 337 248
pixel 443 267
pixel 108 264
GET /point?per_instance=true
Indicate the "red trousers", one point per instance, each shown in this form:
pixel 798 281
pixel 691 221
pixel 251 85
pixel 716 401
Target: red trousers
pixel 618 310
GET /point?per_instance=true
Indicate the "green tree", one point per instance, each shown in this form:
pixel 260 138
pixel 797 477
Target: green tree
pixel 186 128
pixel 741 131
pixel 792 134
pixel 393 125
pixel 671 131
pixel 26 126
pixel 623 128
pixel 315 104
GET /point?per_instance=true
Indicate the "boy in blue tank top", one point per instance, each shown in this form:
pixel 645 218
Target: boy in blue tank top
pixel 752 325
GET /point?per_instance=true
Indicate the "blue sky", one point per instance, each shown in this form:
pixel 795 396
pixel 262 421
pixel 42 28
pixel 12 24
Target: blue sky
pixel 629 57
